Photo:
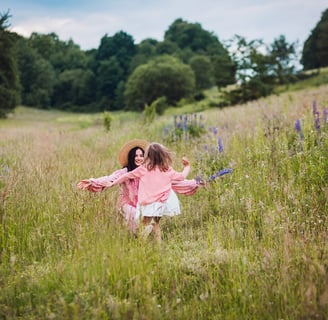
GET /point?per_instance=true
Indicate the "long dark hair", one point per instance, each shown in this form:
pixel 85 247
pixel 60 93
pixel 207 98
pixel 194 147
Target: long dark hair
pixel 131 157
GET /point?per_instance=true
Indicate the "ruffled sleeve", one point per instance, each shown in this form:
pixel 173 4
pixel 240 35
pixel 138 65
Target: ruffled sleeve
pixel 101 183
pixel 185 187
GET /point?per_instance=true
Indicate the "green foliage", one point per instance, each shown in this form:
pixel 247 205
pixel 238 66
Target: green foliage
pixel 37 76
pixel 107 118
pixel 162 77
pixel 194 37
pixel 315 49
pixel 149 113
pixel 8 68
pixel 257 72
pixel 107 78
pixel 224 70
pixel 160 105
pixel 203 70
pixel 283 57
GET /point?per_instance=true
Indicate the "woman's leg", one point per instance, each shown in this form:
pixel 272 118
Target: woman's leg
pixel 129 213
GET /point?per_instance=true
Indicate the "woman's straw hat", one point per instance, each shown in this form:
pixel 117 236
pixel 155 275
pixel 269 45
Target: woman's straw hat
pixel 124 152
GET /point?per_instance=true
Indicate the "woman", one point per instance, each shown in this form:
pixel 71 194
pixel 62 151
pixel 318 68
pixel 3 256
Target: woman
pixel 131 156
pixel 155 195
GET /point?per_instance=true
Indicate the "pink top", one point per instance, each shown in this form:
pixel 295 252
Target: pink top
pixel 154 185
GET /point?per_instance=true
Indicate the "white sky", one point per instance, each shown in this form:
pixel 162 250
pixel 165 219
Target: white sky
pixel 87 21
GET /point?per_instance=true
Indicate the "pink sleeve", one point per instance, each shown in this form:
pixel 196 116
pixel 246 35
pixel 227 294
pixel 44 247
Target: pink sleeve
pixel 102 183
pixel 180 175
pixel 136 173
pixel 186 187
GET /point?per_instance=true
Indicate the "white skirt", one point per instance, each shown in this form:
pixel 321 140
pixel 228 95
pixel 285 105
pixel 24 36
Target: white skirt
pixel 171 207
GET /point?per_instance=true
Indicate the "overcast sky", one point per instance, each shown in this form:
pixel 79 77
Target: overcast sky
pixel 87 21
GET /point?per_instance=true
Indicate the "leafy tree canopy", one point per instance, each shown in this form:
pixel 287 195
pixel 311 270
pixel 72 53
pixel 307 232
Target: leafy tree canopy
pixel 164 76
pixel 315 49
pixel 8 68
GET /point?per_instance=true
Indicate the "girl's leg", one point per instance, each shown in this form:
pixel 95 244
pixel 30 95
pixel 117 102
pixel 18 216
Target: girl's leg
pixel 148 226
pixel 157 230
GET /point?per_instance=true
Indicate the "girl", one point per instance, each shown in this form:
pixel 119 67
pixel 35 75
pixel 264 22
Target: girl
pixel 155 195
pixel 131 156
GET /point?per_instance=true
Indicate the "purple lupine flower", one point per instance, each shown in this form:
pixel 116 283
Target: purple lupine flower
pixel 220 145
pixel 198 179
pixel 185 121
pixel 215 130
pixel 325 116
pixel 314 107
pixel 212 177
pixel 223 172
pixel 220 174
pixel 298 125
pixel 298 128
pixel 317 122
pixel 201 118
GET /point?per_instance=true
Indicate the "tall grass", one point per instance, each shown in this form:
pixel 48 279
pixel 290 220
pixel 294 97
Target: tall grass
pixel 252 245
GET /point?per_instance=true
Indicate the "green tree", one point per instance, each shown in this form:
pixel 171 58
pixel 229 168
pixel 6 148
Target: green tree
pixel 193 36
pixel 315 49
pixel 224 70
pixel 109 75
pixel 203 70
pixel 8 68
pixel 37 76
pixel 164 76
pixel 193 40
pixel 254 71
pixel 284 58
pixel 73 90
pixel 145 51
pixel 121 46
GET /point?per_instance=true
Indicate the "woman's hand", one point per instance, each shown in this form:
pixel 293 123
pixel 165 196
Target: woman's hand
pixel 84 184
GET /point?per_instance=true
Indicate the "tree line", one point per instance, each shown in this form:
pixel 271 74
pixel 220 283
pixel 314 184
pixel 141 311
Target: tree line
pixel 45 72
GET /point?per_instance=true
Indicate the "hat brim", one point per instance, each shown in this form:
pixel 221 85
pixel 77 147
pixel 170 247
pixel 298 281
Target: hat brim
pixel 124 152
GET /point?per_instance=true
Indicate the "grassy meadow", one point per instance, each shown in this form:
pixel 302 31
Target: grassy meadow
pixel 252 245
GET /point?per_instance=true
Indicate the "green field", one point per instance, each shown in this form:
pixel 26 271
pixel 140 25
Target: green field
pixel 253 245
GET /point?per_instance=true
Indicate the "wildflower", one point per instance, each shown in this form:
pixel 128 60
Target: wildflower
pixel 195 119
pixel 223 172
pixel 317 122
pixel 314 107
pixel 220 145
pixel 299 129
pixel 298 125
pixel 201 124
pixel 220 174
pixel 215 130
pixel 212 177
pixel 325 115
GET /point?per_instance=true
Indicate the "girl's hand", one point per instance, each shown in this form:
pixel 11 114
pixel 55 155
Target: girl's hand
pixel 185 161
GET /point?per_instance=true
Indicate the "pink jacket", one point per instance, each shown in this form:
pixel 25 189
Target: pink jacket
pixel 154 185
